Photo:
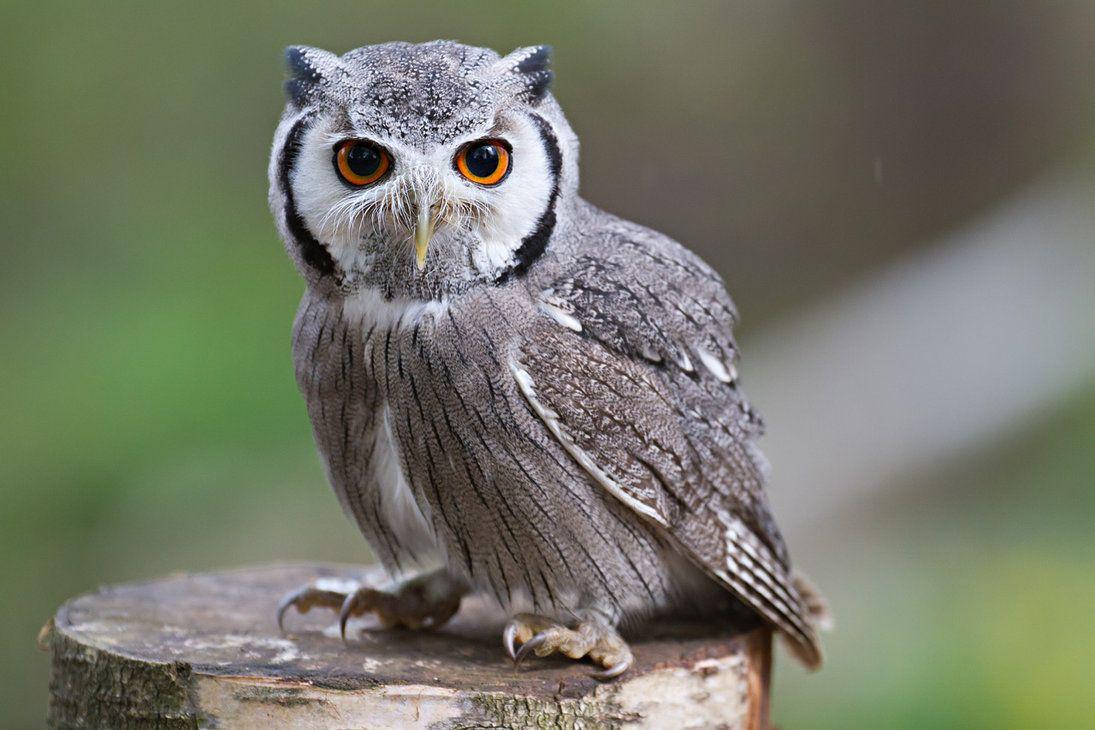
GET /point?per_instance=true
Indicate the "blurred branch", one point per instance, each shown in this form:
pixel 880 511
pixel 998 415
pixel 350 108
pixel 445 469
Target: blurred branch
pixel 931 356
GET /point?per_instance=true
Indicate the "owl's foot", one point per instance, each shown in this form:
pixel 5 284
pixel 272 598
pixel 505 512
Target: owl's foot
pixel 424 602
pixel 594 638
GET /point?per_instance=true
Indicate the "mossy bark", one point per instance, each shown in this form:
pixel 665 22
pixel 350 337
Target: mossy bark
pixel 94 688
pixel 204 651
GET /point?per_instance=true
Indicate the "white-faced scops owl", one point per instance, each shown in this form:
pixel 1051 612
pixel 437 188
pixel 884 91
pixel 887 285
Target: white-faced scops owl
pixel 513 391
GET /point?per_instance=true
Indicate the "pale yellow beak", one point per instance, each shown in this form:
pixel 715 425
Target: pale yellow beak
pixel 423 232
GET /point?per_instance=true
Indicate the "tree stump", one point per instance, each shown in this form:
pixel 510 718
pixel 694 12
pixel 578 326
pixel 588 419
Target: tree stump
pixel 204 650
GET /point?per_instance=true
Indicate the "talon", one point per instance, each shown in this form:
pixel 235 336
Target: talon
pixel 345 612
pixel 507 640
pixel 426 601
pixel 529 646
pixel 612 672
pixel 303 599
pixel 284 604
pixel 593 639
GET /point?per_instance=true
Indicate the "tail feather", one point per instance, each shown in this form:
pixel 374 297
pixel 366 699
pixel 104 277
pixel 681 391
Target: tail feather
pixel 816 605
pixel 788 602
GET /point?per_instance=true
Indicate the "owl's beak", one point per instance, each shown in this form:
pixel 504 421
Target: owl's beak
pixel 423 232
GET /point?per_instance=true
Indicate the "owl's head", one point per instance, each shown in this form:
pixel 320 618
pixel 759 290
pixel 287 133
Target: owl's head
pixel 419 170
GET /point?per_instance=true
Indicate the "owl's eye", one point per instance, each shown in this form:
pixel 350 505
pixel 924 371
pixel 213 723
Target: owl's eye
pixel 484 162
pixel 361 163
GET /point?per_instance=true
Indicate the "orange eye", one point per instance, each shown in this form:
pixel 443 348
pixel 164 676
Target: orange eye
pixel 484 162
pixel 361 163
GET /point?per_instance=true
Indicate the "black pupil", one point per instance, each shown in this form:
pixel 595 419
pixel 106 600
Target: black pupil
pixel 363 160
pixel 482 160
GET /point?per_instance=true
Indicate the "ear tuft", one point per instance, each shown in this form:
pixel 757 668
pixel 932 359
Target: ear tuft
pixel 308 70
pixel 528 70
pixel 535 59
pixel 299 66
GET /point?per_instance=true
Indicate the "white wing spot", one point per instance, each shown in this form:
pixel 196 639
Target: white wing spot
pixel 713 364
pixel 681 358
pixel 549 306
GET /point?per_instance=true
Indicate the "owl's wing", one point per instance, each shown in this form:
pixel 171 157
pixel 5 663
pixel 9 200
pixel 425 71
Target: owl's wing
pixel 632 372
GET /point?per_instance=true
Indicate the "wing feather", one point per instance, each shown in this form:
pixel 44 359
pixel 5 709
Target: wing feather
pixel 631 369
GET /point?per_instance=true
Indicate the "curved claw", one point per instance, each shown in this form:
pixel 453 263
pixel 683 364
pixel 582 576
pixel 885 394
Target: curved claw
pixel 612 672
pixel 529 646
pixel 507 640
pixel 345 612
pixel 285 603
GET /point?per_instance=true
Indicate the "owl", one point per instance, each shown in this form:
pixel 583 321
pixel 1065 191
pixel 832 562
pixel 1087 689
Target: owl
pixel 513 392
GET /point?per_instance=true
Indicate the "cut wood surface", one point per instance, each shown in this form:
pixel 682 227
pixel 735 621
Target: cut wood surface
pixel 204 650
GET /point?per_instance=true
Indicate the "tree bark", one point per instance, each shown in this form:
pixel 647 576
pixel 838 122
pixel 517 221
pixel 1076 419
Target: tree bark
pixel 204 650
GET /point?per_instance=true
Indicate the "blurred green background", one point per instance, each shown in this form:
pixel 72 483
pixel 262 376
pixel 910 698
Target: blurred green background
pixel 810 151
